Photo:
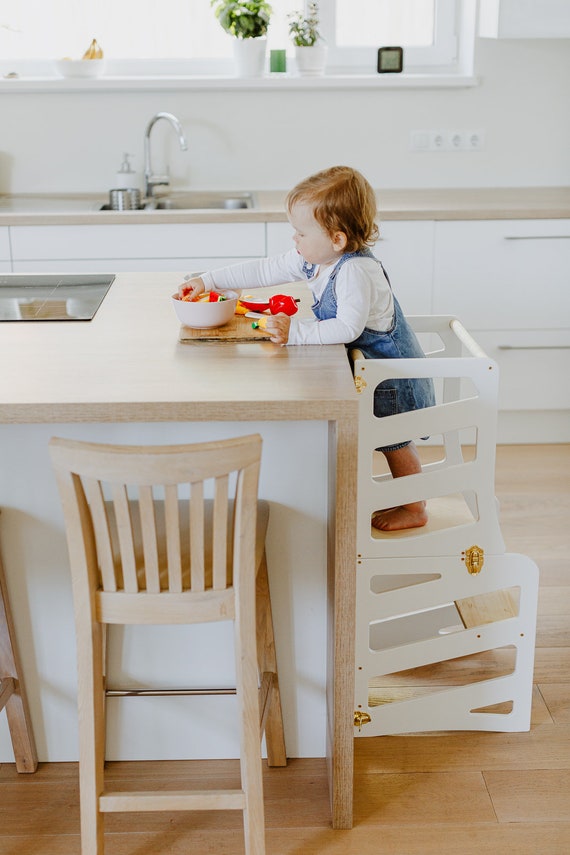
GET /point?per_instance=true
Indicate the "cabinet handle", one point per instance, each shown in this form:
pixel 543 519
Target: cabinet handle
pixel 534 347
pixel 537 237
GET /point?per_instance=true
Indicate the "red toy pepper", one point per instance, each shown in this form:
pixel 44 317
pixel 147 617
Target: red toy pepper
pixel 283 303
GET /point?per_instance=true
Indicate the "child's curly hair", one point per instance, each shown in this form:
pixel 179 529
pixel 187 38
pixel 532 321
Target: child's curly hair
pixel 343 201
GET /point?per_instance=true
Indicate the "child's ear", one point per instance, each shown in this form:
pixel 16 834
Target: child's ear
pixel 339 240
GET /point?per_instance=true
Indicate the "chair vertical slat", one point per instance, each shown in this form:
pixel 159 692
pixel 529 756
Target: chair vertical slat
pixel 125 533
pixel 197 543
pixel 96 500
pixel 149 539
pixel 220 534
pixel 173 552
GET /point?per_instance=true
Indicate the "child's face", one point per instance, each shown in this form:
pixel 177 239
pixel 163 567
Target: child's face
pixel 312 241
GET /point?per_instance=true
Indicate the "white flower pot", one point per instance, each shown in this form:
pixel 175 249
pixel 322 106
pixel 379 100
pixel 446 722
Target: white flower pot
pixel 311 61
pixel 249 56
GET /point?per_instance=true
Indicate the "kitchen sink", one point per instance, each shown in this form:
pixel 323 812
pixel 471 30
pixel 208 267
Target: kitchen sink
pixel 196 200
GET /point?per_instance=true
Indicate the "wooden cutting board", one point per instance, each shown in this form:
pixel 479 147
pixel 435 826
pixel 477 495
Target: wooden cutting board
pixel 239 329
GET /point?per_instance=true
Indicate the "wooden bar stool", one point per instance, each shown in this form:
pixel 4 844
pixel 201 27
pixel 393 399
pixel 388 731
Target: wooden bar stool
pixel 140 553
pixel 12 691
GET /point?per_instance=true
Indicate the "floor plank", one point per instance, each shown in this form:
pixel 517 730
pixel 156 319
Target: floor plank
pixel 557 699
pixel 426 794
pixel 536 795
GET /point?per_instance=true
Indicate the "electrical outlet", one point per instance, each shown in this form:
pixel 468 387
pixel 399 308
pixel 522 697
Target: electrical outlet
pixel 447 140
pixel 438 140
pixel 457 140
pixel 475 140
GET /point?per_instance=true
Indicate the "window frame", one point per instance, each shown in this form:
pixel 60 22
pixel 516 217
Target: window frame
pixel 442 54
pixel 451 57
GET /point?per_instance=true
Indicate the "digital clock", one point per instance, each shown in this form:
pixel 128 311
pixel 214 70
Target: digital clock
pixel 390 60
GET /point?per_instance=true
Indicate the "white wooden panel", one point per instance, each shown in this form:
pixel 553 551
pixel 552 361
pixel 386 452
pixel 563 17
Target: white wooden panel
pixel 174 240
pixel 503 274
pixel 279 238
pixel 405 249
pixel 5 267
pixel 534 366
pixel 512 19
pixel 122 265
pixel 4 244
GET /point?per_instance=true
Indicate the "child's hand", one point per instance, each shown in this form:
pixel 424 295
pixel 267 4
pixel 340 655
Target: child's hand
pixel 191 289
pixel 278 326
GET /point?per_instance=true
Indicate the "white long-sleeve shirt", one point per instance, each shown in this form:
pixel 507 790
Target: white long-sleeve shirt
pixel 364 297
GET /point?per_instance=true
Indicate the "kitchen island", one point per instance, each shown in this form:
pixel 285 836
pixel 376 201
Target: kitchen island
pixel 125 377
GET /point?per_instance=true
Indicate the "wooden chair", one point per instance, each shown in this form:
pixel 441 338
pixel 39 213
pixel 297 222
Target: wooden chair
pixel 142 553
pixel 12 690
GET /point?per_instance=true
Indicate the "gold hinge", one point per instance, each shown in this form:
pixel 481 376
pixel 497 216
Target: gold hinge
pixel 360 383
pixel 474 558
pixel 360 718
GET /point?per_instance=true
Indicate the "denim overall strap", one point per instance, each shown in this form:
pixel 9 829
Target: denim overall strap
pixel 396 395
pixel 326 306
pixel 309 269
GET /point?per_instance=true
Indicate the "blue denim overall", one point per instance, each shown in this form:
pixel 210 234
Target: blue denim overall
pixel 397 395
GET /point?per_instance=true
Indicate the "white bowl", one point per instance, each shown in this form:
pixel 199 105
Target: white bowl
pixel 80 67
pixel 205 316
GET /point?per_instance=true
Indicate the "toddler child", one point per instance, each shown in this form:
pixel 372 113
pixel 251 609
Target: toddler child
pixel 333 216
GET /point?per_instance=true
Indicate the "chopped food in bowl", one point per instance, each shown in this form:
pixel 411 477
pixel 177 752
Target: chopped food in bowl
pixel 213 309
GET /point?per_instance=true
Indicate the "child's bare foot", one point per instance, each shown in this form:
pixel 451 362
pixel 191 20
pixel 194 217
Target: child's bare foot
pixel 402 517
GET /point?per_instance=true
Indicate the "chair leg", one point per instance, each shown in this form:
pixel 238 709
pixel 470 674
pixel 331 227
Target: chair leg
pixel 274 733
pixel 91 736
pixel 248 712
pixel 13 696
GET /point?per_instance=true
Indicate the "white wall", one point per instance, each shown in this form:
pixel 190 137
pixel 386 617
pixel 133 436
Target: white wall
pixel 72 142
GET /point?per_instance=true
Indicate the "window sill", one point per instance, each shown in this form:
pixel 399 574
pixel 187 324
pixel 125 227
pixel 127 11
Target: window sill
pixel 267 82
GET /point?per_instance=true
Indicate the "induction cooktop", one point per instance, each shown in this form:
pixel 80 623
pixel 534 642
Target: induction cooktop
pixel 52 297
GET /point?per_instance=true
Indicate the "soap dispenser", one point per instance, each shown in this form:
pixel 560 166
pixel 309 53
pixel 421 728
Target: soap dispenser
pixel 126 178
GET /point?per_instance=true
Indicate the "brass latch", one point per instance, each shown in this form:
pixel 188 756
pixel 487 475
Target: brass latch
pixel 360 383
pixel 474 558
pixel 360 718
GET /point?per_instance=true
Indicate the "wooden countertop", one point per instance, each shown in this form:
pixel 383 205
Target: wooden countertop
pixel 393 204
pixel 128 365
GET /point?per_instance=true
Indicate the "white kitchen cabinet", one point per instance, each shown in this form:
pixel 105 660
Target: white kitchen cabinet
pixel 508 282
pixel 503 274
pixel 524 19
pixel 122 265
pixel 405 249
pixel 134 247
pixel 5 265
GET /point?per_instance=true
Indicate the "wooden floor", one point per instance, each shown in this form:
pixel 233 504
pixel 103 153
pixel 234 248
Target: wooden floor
pixel 414 795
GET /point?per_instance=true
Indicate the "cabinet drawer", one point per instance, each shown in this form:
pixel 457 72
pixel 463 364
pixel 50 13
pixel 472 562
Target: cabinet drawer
pixel 4 244
pixel 175 240
pixel 534 367
pixel 503 274
pixel 405 249
pixel 121 265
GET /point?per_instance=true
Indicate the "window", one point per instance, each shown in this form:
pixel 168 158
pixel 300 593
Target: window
pixel 184 37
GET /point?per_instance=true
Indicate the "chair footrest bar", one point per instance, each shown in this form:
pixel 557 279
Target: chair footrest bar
pixel 154 693
pixel 156 800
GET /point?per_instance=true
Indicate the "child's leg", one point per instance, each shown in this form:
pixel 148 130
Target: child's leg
pixel 402 461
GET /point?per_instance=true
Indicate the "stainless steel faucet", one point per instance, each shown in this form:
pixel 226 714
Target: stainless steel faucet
pixel 150 180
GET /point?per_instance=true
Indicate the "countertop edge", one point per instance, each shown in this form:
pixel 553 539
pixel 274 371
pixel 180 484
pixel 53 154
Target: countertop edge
pixel 393 204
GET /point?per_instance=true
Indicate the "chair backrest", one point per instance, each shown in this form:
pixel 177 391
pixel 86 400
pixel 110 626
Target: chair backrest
pixel 151 529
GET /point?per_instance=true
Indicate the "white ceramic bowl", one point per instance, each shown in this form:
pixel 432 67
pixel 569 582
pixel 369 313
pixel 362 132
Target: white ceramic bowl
pixel 204 316
pixel 80 67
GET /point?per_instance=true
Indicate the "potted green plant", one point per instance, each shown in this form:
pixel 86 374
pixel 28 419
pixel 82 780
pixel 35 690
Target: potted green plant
pixel 247 22
pixel 310 48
